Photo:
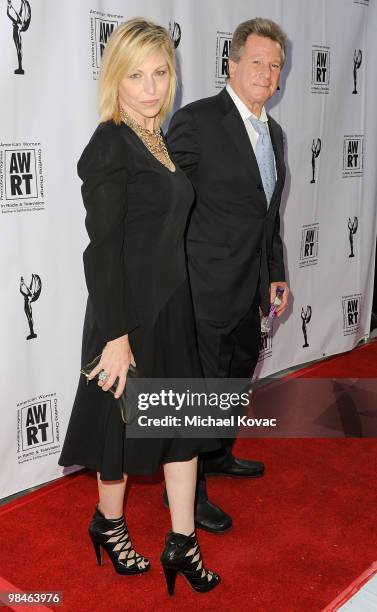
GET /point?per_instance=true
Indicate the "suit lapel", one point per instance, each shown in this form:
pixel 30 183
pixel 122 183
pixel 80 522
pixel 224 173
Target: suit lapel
pixel 279 159
pixel 235 128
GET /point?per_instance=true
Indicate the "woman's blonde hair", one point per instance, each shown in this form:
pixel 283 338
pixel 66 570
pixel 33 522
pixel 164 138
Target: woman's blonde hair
pixel 126 49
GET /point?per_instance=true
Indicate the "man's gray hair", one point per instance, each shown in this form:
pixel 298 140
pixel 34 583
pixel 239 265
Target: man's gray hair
pixel 261 27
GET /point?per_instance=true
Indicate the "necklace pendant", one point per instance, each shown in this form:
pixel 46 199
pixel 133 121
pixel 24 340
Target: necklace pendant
pixel 157 148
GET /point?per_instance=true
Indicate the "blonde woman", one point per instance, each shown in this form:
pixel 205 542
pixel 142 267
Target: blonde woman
pixel 139 307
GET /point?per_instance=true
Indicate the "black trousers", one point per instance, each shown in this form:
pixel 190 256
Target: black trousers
pixel 227 351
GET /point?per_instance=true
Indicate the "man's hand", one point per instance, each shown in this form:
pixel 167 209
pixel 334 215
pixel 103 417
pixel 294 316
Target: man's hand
pixel 284 300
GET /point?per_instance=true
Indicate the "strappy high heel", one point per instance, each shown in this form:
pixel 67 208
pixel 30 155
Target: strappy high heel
pixel 182 555
pixel 112 535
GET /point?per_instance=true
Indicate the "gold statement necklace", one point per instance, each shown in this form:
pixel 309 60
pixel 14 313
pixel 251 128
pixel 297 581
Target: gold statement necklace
pixel 152 140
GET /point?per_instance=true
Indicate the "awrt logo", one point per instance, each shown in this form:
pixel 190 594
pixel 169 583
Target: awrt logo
pixel 265 349
pixel 223 42
pixel 102 25
pixel 351 313
pixel 38 428
pixel 21 177
pixel 320 69
pixel 353 156
pixel 364 2
pixel 309 245
pixel 36 425
pixel 104 29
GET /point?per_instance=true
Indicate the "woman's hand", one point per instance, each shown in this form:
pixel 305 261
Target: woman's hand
pixel 115 361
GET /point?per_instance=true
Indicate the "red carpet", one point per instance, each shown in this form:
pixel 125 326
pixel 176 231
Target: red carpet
pixel 302 533
pixel 352 589
pixel 359 363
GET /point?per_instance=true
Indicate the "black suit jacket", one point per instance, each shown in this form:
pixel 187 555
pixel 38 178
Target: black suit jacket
pixel 233 243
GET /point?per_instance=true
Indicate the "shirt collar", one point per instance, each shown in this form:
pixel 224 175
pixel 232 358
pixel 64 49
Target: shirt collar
pixel 242 108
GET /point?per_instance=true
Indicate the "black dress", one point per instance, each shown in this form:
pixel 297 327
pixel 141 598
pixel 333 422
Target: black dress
pixel 135 269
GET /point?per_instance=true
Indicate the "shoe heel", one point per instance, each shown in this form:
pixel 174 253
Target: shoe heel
pixel 170 575
pixel 98 551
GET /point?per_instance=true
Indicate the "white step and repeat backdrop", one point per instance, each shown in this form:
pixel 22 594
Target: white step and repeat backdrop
pixel 50 54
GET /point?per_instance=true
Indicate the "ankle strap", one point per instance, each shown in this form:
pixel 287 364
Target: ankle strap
pixel 98 511
pixel 180 538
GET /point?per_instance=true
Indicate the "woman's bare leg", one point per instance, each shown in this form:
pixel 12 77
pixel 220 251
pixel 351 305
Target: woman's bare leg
pixel 111 502
pixel 111 496
pixel 180 479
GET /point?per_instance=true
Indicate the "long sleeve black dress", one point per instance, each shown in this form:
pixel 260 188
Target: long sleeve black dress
pixel 135 269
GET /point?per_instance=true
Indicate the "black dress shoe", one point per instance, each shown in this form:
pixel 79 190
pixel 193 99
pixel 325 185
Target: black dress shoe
pixel 211 518
pixel 208 516
pixel 231 466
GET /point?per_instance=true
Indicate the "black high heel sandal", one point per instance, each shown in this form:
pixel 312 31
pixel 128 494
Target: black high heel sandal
pixel 112 535
pixel 182 555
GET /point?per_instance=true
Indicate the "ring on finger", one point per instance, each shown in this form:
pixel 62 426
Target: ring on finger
pixel 103 375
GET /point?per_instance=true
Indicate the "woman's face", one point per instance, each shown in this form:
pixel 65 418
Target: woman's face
pixel 142 93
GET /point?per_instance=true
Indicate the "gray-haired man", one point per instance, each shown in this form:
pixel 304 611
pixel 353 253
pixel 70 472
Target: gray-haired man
pixel 232 151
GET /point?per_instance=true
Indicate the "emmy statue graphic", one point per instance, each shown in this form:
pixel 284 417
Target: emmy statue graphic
pixel 316 149
pixel 31 294
pixel 352 226
pixel 21 22
pixel 306 315
pixel 175 33
pixel 357 57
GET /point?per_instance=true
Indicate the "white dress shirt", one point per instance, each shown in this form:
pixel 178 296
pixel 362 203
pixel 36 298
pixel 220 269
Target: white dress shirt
pixel 245 115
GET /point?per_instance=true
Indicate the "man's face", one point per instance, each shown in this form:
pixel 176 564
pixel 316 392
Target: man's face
pixel 255 77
